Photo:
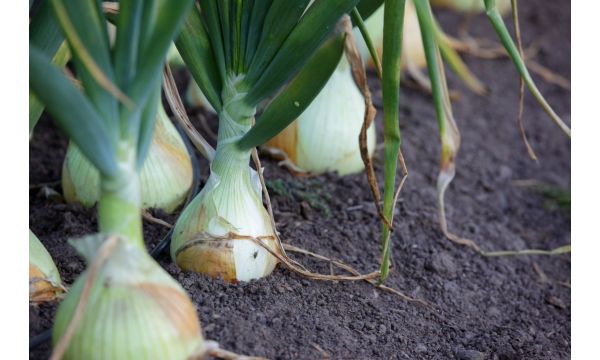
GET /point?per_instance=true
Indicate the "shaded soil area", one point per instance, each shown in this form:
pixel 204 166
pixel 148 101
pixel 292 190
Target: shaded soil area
pixel 485 308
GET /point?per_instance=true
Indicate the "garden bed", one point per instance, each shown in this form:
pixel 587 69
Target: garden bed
pixel 504 308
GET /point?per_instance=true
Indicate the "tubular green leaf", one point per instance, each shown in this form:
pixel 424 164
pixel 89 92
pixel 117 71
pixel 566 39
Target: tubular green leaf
pixel 259 12
pixel 72 111
pixel 35 105
pixel 296 97
pixel 152 57
pixel 195 49
pixel 392 51
pixel 210 16
pixel 310 32
pixel 126 50
pixel 148 119
pixel 44 32
pixel 358 22
pixel 84 27
pixel 224 7
pixel 280 20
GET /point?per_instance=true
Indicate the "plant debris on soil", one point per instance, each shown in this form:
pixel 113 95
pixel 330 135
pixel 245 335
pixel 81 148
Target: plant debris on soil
pixel 484 308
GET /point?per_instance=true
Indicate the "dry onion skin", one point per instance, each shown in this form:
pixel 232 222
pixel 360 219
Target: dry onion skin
pixel 44 279
pixel 165 178
pixel 135 310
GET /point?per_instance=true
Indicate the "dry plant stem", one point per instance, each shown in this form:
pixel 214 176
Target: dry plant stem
pixel 146 215
pixel 228 355
pixel 176 105
pixel 213 349
pixel 351 270
pixel 282 256
pixel 549 75
pixel 284 161
pixel 324 354
pixel 543 277
pixel 103 253
pixel 515 13
pixel 360 78
pixel 288 247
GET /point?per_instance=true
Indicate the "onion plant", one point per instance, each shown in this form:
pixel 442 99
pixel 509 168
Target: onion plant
pixel 241 53
pixel 124 305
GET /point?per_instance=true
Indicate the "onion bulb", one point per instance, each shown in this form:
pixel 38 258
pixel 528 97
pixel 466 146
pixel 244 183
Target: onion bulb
pixel 325 136
pixel 213 235
pixel 471 6
pixel 165 178
pixel 44 279
pixel 133 308
pixel 217 233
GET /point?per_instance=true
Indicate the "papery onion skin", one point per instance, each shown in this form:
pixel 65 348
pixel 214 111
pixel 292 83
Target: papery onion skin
pixel 165 179
pixel 325 136
pixel 44 278
pixel 205 242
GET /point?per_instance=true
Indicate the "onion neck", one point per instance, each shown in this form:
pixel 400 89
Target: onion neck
pixel 235 120
pixel 119 207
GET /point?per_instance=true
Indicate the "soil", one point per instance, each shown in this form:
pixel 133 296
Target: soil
pixel 485 308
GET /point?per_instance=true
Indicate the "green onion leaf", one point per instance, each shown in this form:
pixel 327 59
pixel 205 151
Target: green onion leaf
pixel 81 122
pixel 392 51
pixel 306 37
pixel 281 19
pixel 194 46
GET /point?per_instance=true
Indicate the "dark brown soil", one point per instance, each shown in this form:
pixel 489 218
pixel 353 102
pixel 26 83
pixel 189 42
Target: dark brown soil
pixel 485 308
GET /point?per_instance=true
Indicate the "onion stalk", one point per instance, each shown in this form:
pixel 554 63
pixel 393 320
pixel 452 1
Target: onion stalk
pixel 44 280
pixel 166 176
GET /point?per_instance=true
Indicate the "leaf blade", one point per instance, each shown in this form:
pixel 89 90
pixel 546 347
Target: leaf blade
pixel 310 32
pixel 392 52
pixel 72 110
pixel 194 46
